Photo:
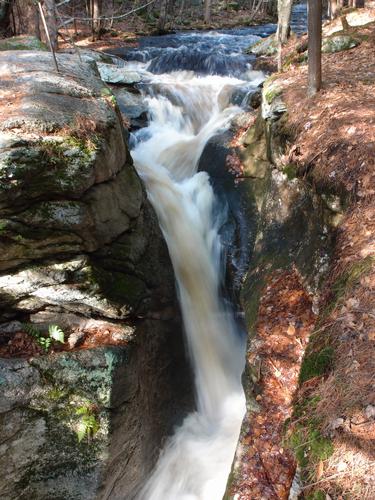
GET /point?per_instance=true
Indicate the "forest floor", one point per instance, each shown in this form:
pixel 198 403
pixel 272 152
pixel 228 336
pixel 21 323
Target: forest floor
pixel 332 145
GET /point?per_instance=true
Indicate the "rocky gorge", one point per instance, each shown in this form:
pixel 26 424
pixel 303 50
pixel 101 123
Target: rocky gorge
pixel 82 249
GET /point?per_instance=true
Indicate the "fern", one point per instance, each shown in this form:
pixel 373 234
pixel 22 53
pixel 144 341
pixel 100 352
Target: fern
pixel 56 333
pixel 32 330
pixel 88 424
pixel 44 342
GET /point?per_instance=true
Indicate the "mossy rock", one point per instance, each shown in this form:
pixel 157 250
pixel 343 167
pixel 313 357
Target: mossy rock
pixel 338 43
pixel 271 91
pixel 61 165
pixel 23 42
pixel 264 47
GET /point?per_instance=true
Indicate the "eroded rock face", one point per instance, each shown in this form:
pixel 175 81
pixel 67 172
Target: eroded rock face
pixel 80 247
pixel 289 252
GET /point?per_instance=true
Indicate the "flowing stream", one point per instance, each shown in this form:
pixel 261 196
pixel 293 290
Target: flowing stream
pixel 196 461
pixel 194 84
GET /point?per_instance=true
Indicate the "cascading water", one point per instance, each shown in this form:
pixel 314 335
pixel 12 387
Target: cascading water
pixel 196 462
pixel 190 84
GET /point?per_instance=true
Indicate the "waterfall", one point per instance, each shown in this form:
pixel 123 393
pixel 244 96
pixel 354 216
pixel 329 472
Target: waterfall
pixel 190 82
pixel 196 461
pixel 186 109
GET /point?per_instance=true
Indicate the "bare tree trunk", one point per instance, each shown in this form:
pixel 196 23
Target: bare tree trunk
pixel 182 8
pixel 163 15
pixel 284 10
pixel 5 24
pixel 50 14
pixel 36 22
pixel 315 45
pixel 255 8
pixel 345 24
pixel 207 11
pixel 333 8
pixel 96 23
pixel 359 4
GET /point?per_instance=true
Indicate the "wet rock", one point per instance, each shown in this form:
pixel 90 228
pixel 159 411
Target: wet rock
pixel 255 99
pixel 130 103
pixel 132 106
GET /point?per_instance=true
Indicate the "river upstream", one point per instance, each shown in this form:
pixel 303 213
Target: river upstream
pixel 194 84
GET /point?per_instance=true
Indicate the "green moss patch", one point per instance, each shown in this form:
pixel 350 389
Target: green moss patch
pixel 119 287
pixel 316 364
pixel 23 42
pixel 290 171
pixel 271 91
pixel 309 446
pixel 317 495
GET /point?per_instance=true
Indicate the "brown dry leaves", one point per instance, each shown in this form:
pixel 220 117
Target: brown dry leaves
pixel 284 323
pixel 335 146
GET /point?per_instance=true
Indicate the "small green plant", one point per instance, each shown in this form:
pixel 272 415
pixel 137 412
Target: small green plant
pixel 44 342
pixel 54 333
pixel 88 424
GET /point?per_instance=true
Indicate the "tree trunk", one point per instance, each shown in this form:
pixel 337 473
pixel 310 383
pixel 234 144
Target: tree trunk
pixel 207 11
pixel 359 3
pixel 5 24
pixel 315 45
pixel 345 24
pixel 36 24
pixel 333 9
pixel 284 11
pixel 163 16
pixel 96 23
pixel 50 14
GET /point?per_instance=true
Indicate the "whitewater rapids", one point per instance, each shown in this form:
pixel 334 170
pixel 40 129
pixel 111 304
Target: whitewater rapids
pixel 196 461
